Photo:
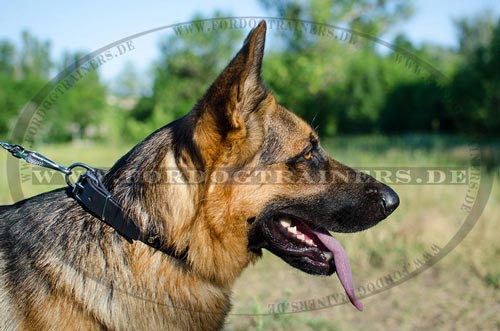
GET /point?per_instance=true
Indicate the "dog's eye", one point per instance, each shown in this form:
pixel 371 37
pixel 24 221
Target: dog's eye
pixel 307 156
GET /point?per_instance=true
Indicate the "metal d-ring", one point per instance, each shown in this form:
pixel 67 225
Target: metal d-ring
pixel 76 165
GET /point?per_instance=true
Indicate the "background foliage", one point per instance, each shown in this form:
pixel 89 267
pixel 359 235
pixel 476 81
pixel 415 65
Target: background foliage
pixel 338 88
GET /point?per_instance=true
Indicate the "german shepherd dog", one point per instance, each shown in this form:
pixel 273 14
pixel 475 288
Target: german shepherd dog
pixel 63 269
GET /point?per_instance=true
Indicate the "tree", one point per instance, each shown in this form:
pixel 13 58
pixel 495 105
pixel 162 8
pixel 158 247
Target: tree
pixel 336 87
pixel 368 16
pixel 23 71
pixel 128 83
pixel 188 63
pixel 474 33
pixel 34 57
pixel 77 112
pixel 475 89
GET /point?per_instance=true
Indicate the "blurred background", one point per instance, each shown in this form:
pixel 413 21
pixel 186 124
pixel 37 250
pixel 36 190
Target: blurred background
pixel 418 86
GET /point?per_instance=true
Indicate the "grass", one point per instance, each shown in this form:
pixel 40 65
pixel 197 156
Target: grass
pixel 461 292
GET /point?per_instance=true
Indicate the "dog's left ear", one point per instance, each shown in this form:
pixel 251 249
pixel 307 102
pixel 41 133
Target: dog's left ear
pixel 236 93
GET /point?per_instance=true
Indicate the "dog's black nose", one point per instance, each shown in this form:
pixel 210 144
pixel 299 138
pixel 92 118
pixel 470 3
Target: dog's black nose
pixel 389 198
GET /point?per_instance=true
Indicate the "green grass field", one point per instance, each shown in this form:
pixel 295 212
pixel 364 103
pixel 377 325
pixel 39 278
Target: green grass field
pixel 460 292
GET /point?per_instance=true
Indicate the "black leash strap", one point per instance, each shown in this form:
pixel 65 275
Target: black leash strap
pixel 91 193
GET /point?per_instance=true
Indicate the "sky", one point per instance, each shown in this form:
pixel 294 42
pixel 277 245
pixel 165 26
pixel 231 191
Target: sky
pixel 89 25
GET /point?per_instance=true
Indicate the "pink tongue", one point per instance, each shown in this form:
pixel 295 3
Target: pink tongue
pixel 342 265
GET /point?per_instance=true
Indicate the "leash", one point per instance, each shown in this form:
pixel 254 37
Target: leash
pixel 90 192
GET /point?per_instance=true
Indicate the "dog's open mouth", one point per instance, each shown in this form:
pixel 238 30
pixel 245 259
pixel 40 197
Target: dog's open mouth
pixel 310 249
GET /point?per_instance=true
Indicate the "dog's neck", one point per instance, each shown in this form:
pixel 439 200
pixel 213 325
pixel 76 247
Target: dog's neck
pixel 165 194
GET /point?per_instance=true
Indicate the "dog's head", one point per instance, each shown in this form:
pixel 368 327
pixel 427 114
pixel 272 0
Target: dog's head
pixel 268 182
pixel 285 192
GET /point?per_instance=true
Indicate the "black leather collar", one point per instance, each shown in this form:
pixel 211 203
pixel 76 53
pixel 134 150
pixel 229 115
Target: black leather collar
pixel 97 200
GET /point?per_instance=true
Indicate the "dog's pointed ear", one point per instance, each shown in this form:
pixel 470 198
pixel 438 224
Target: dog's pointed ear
pixel 238 89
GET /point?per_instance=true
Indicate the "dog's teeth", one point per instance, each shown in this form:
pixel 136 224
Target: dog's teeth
pixel 328 255
pixel 285 223
pixel 292 229
pixel 309 242
pixel 301 237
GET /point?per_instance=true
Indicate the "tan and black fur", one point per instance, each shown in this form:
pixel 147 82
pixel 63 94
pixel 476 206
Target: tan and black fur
pixel 63 269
